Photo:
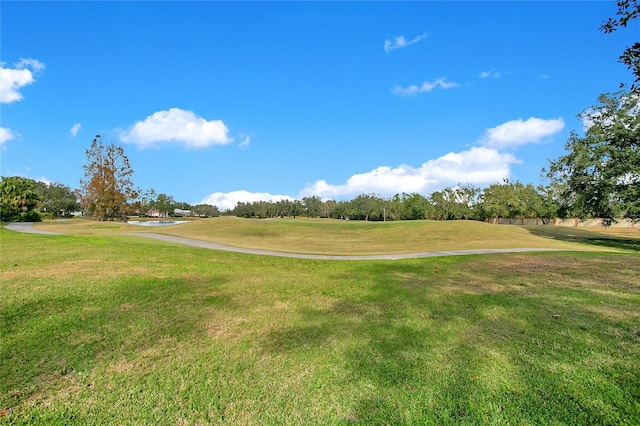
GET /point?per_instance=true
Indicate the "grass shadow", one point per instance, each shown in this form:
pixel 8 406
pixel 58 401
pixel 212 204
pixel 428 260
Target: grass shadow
pixel 426 345
pixel 627 241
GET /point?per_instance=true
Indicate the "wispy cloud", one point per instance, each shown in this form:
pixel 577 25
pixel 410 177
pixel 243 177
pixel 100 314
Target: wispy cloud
pixel 245 142
pixel 13 79
pixel 400 41
pixel 228 200
pixel 179 126
pixel 75 129
pixel 427 86
pixel 491 73
pixel 6 135
pixel 515 133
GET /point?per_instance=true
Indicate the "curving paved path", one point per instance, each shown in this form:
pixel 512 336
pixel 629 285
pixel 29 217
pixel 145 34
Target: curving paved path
pixel 216 246
pixel 26 227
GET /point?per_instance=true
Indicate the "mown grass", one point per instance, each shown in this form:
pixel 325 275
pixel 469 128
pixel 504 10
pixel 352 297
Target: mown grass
pixel 113 329
pixel 336 237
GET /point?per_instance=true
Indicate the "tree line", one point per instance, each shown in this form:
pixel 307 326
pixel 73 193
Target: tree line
pixel 27 200
pixel 461 202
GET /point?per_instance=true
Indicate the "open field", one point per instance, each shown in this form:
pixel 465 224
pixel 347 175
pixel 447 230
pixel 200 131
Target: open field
pixel 99 327
pixel 330 236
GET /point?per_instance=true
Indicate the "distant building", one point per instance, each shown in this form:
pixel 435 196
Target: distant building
pixel 182 213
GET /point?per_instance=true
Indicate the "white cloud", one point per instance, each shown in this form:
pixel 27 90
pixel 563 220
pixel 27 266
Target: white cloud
pixel 178 126
pixel 75 129
pixel 44 180
pixel 478 165
pixel 228 200
pixel 6 135
pixel 400 41
pixel 426 87
pixel 515 133
pixel 245 142
pixel 490 73
pixel 13 79
pixel 34 64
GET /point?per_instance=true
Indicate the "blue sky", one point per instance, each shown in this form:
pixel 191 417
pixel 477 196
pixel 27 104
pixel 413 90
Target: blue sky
pixel 222 102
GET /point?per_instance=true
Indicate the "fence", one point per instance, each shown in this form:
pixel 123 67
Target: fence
pixel 582 223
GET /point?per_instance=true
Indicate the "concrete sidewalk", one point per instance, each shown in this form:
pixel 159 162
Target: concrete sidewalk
pixel 27 228
pixel 216 246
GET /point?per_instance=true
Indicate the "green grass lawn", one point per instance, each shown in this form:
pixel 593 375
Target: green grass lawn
pixel 114 329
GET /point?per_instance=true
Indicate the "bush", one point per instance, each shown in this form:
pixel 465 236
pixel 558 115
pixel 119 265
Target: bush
pixel 46 216
pixel 29 216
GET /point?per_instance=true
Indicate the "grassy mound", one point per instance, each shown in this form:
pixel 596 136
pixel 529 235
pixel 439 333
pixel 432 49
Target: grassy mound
pixel 329 236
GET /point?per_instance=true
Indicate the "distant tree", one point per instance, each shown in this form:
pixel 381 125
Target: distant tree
pixel 628 10
pixel 467 197
pixel 600 174
pixel 503 200
pixel 454 203
pixel 366 207
pixel 56 199
pixel 409 206
pixel 145 201
pixel 205 210
pixel 328 208
pixel 549 204
pixel 296 208
pixel 18 199
pixel 312 206
pixel 165 204
pixel 107 187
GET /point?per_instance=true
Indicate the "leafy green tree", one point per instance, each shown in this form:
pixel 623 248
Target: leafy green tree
pixel 549 205
pixel 366 207
pixel 328 208
pixel 600 174
pixel 165 204
pixel 454 203
pixel 628 10
pixel 18 199
pixel 503 201
pixel 205 210
pixel 409 206
pixel 145 201
pixel 106 188
pixel 312 206
pixel 56 199
pixel 296 208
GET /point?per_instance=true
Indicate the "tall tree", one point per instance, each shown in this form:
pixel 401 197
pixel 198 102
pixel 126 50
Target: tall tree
pixel 628 10
pixel 107 186
pixel 600 174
